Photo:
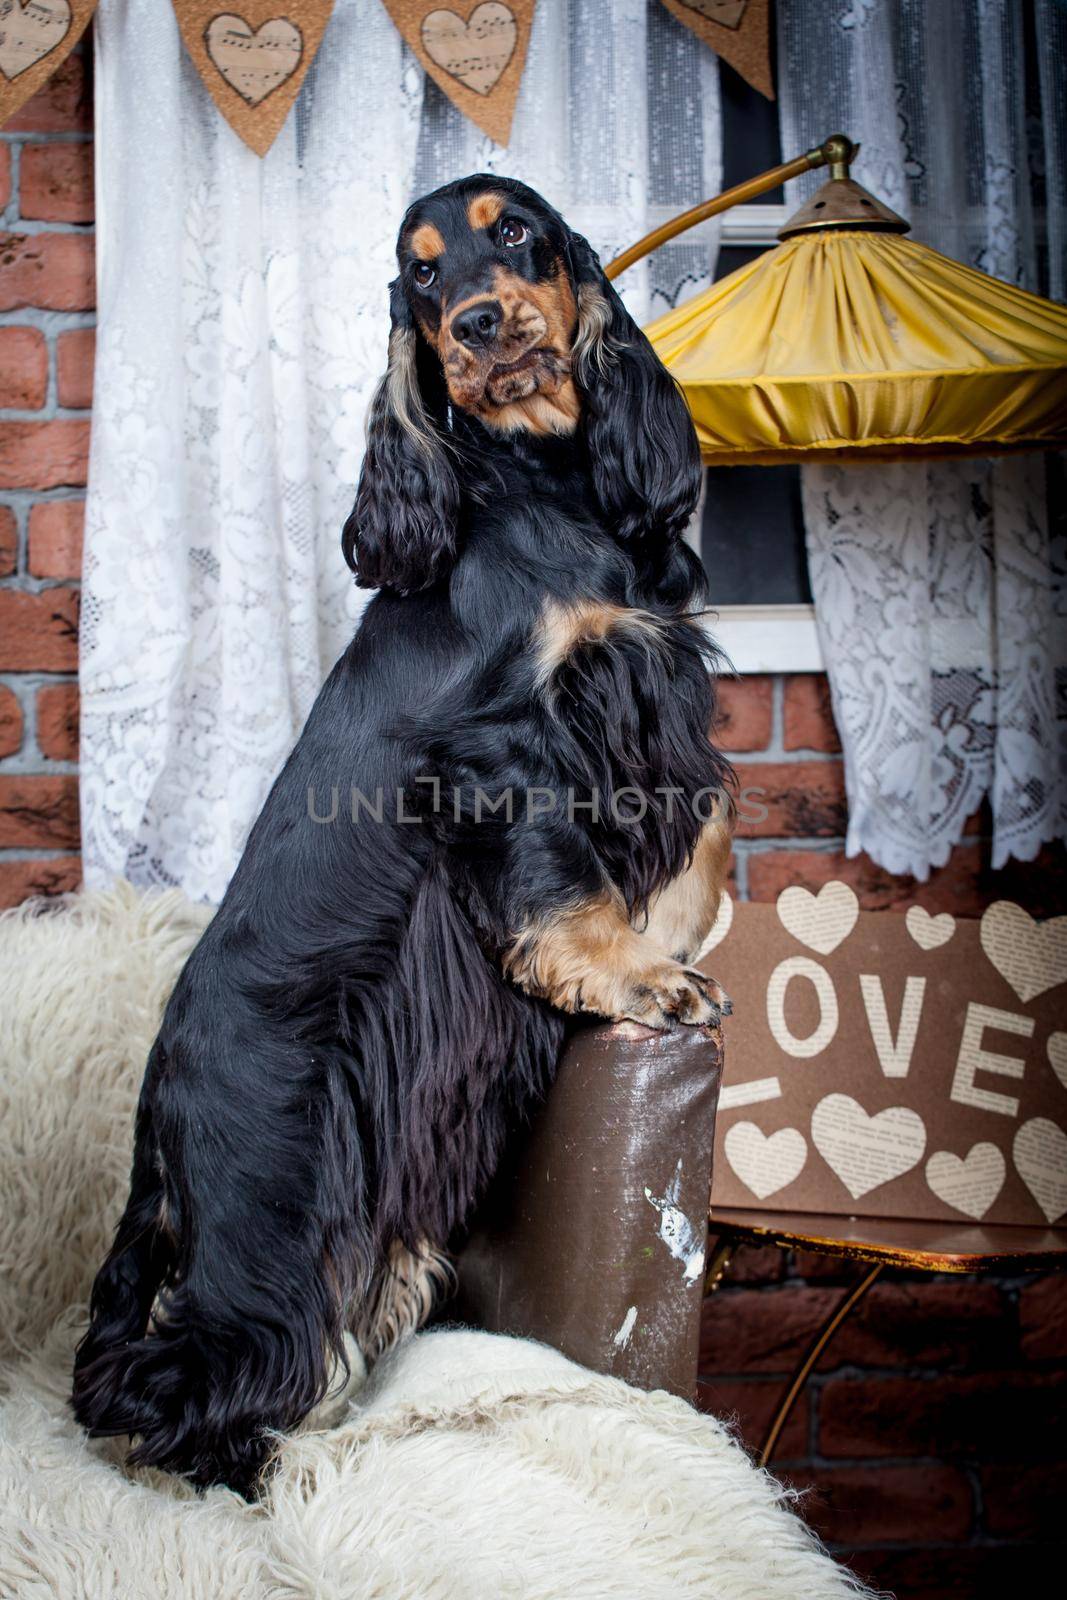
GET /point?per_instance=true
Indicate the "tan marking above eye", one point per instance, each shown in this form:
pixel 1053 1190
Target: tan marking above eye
pixel 427 243
pixel 484 209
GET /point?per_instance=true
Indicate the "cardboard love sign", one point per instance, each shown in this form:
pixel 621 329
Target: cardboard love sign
pixel 253 56
pixel 474 53
pixel 892 1066
pixel 737 30
pixel 35 36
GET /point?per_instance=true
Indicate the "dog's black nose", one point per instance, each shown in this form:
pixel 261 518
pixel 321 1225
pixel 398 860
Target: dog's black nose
pixel 478 325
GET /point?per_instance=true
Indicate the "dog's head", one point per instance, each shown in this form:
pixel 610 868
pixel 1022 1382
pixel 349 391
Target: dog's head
pixel 500 311
pixel 484 272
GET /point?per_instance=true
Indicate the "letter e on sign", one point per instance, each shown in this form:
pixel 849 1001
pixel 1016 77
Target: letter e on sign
pixel 973 1059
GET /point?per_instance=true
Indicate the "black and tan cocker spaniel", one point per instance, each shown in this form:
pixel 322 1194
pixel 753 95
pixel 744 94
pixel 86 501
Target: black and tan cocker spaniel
pixel 504 809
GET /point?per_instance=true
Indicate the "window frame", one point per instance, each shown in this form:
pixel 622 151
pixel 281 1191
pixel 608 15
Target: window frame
pixel 763 638
pixel 768 638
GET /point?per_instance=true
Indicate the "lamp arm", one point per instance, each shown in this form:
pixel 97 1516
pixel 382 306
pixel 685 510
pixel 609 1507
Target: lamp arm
pixel 836 152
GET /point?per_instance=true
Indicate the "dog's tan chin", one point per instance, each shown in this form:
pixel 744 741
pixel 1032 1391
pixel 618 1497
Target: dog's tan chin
pixel 540 398
pixel 509 386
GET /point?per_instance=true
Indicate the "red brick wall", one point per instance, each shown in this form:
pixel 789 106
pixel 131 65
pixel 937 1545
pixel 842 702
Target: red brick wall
pixel 780 734
pixel 46 355
pixel 932 1435
pixel 932 1440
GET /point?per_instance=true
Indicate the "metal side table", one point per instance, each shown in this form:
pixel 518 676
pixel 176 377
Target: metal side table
pixel 883 1243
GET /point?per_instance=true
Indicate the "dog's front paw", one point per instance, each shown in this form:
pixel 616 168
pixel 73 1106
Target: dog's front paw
pixel 670 993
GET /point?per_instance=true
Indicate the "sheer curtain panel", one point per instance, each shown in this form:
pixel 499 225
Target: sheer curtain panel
pixel 940 586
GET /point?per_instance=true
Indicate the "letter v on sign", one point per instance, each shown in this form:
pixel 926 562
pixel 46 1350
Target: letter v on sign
pixel 894 1055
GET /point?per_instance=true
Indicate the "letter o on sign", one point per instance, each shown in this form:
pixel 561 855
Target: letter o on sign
pixel 819 978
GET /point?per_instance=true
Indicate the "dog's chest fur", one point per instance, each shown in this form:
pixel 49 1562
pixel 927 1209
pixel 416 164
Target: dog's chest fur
pixel 576 679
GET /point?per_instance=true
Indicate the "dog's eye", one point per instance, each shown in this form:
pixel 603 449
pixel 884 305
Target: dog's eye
pixel 513 233
pixel 425 275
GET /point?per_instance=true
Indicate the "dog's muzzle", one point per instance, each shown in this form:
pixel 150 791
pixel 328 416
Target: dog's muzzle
pixel 494 354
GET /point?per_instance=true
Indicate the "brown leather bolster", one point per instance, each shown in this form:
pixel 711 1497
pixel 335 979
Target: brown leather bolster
pixel 568 1247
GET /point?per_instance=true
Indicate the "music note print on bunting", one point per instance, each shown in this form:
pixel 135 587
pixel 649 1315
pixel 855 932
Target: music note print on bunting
pixel 474 53
pixel 35 37
pixel 253 57
pixel 477 51
pixel 255 64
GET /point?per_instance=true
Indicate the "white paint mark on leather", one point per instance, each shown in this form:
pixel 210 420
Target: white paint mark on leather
pixel 626 1328
pixel 683 1240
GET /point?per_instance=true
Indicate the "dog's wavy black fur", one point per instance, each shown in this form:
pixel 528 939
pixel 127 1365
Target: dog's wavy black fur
pixel 344 1050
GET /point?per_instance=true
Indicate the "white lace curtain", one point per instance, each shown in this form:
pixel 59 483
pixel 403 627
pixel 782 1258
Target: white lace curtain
pixel 243 322
pixel 940 588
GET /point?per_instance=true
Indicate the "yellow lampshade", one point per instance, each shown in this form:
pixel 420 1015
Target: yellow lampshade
pixel 849 343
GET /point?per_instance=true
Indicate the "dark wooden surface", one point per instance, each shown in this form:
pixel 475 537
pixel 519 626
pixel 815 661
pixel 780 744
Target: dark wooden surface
pixel 928 1246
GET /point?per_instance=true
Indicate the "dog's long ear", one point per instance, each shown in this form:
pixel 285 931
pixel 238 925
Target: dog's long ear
pixel 401 533
pixel 642 446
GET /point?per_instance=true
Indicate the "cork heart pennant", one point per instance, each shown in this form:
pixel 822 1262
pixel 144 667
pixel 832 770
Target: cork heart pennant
pixel 253 56
pixel 474 53
pixel 737 30
pixel 35 36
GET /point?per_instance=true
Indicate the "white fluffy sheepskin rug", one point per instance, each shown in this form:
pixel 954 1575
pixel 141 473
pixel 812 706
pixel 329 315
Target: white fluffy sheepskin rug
pixel 468 1467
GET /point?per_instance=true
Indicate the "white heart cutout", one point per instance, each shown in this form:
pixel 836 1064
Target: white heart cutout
pixel 1040 1153
pixel 865 1151
pixel 254 61
pixel 1057 1055
pixel 28 33
pixel 1031 955
pixel 821 921
pixel 969 1183
pixel 765 1163
pixel 724 918
pixel 929 933
pixel 475 52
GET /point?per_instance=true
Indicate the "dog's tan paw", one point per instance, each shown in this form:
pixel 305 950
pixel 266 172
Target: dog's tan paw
pixel 718 994
pixel 671 993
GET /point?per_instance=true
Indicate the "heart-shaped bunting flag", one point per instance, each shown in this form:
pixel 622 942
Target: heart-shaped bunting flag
pixel 253 56
pixel 35 36
pixel 737 30
pixel 474 53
